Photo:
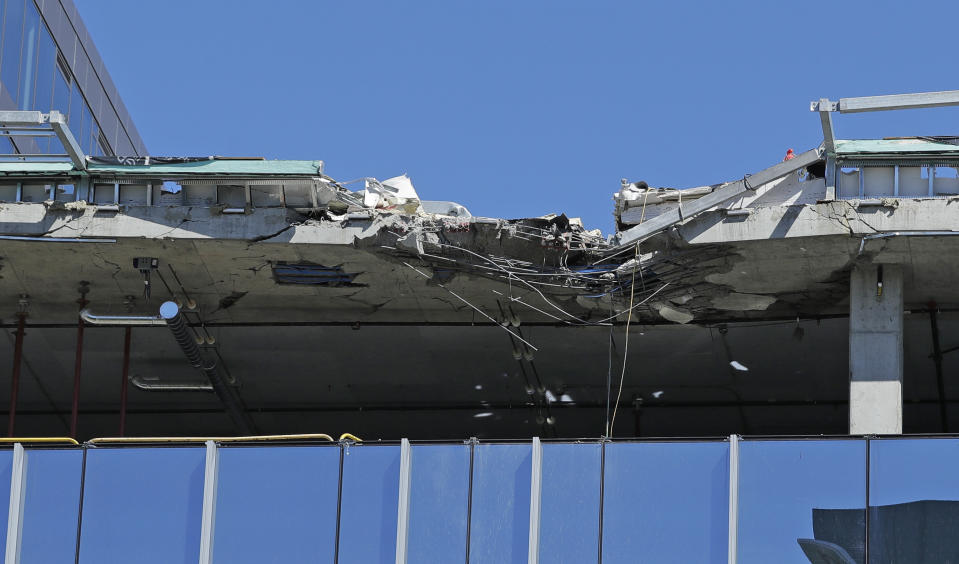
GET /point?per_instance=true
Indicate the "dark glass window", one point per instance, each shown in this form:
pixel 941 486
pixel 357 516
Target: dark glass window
pixel 86 122
pixel 499 529
pixel 800 498
pixel 51 506
pixel 666 502
pixel 913 500
pixel 28 59
pixel 439 499
pixel 569 503
pixel 276 504
pixel 12 34
pixel 46 60
pixel 371 479
pixel 6 467
pixel 142 505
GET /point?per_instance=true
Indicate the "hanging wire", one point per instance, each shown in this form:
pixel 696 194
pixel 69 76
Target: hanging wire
pixel 629 318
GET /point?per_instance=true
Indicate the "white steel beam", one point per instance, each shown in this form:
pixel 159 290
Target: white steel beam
pixel 535 496
pixel 18 483
pixel 733 498
pixel 886 103
pixel 208 518
pixel 403 507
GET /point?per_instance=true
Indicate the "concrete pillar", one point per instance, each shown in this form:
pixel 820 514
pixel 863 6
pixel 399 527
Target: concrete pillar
pixel 875 350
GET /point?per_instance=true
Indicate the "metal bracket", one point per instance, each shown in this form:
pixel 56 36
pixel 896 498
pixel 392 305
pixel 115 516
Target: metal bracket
pixel 57 122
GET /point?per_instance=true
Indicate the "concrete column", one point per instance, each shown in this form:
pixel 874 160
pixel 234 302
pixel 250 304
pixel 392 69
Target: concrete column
pixel 875 350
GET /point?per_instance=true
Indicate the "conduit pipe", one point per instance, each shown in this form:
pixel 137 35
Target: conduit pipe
pixel 888 234
pixel 154 385
pixel 170 313
pixel 128 320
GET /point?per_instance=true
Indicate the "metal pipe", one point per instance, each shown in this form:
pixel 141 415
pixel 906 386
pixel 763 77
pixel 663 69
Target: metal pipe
pixel 170 312
pixel 157 386
pixel 130 320
pixel 127 334
pixel 17 361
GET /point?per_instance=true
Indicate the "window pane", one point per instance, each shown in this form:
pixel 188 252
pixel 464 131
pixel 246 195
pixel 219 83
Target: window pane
pixel 28 59
pixel 86 121
pixel 51 506
pixel 666 502
pixel 142 505
pixel 371 478
pixel 913 500
pixel 61 93
pixel 569 506
pixel 12 29
pixel 439 499
pixel 276 504
pixel 799 498
pixel 6 467
pixel 46 60
pixel 499 524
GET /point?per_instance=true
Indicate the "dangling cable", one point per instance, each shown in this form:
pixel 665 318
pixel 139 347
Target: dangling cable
pixel 629 318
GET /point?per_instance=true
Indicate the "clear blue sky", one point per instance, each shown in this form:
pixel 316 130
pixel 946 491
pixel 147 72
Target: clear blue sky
pixel 520 108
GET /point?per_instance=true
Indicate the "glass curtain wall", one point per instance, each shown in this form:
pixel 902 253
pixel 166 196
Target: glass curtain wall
pixel 35 76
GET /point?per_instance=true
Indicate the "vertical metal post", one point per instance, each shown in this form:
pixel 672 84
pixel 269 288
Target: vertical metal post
pixel 932 181
pixel 828 135
pixel 15 380
pixel 535 495
pixel 125 377
pixel 18 482
pixel 830 178
pixel 208 518
pixel 149 193
pixel 862 182
pixel 116 192
pixel 19 191
pixel 403 507
pixel 895 185
pixel 733 497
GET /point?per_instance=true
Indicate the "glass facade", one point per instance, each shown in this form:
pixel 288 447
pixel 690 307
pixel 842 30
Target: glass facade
pixel 47 62
pixel 799 501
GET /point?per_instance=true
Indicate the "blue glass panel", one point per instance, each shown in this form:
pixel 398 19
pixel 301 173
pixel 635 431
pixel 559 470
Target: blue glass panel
pixel 801 496
pixel 569 506
pixel 913 500
pixel 46 61
pixel 666 502
pixel 86 122
pixel 51 506
pixel 439 500
pixel 6 467
pixel 499 524
pixel 142 505
pixel 61 93
pixel 10 65
pixel 371 477
pixel 276 504
pixel 28 55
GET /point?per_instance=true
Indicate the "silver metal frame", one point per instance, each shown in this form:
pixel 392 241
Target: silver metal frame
pixel 18 483
pixel 535 500
pixel 733 526
pixel 403 505
pixel 57 123
pixel 208 519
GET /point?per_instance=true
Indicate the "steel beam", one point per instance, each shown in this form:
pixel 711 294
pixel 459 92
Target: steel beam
pixel 403 505
pixel 733 543
pixel 887 103
pixel 18 484
pixel 59 124
pixel 828 136
pixel 716 197
pixel 208 516
pixel 535 496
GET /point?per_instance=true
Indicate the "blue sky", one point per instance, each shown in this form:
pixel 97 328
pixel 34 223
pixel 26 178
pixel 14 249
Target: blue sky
pixel 519 108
